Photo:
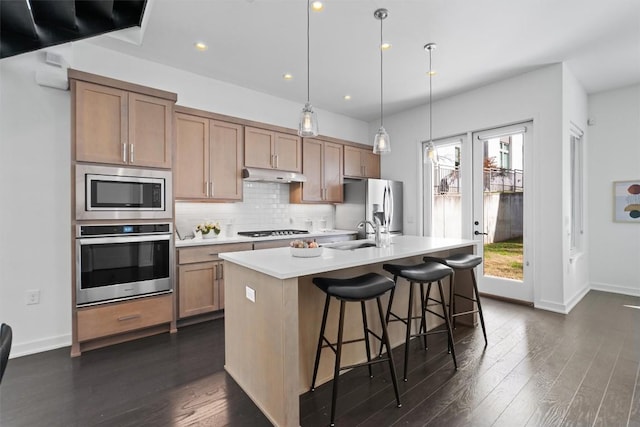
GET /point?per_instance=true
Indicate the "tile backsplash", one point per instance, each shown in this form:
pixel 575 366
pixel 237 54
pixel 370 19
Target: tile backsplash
pixel 265 206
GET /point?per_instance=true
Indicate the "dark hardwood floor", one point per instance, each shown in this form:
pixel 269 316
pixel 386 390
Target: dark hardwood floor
pixel 539 369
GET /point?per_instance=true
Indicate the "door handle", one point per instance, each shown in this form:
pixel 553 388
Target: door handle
pixel 477 233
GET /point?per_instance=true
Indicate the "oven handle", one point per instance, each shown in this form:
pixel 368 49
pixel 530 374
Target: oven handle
pixel 123 239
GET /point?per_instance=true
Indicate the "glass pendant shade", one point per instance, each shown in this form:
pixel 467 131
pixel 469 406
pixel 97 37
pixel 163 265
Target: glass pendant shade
pixel 308 121
pixel 432 153
pixel 381 142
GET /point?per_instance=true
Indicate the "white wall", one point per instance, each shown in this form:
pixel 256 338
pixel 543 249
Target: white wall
pixel 35 212
pixel 614 155
pixel 533 96
pixel 576 266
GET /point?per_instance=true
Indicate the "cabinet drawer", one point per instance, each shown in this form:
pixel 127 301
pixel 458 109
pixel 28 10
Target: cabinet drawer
pixel 209 252
pixel 101 321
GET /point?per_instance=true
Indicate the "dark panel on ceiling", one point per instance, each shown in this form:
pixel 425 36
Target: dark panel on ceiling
pixel 60 21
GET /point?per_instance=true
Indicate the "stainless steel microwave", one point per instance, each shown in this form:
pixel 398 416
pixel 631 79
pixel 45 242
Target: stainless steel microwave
pixel 104 192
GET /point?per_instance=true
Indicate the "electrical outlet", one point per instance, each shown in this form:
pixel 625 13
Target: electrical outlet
pixel 250 293
pixel 33 296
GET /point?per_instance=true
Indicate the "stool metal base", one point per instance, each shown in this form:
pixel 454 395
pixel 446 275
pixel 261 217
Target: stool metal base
pixel 337 349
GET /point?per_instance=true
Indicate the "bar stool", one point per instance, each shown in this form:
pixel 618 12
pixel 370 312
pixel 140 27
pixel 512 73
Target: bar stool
pixel 462 262
pixel 421 273
pixel 356 289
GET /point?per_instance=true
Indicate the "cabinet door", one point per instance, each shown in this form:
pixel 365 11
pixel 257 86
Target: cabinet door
pixel 371 164
pixel 192 157
pixel 352 162
pixel 288 152
pixel 258 148
pixel 332 172
pixel 226 159
pixel 312 189
pixel 100 123
pixel 198 289
pixel 149 131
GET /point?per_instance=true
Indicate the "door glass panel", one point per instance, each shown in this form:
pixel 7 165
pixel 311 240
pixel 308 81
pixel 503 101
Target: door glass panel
pixel 446 202
pixel 503 199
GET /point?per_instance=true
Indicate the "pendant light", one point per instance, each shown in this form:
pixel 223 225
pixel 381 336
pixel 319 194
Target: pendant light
pixel 308 120
pixel 381 142
pixel 432 153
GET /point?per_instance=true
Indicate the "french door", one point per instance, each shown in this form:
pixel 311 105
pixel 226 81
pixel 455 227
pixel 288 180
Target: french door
pixel 500 210
pixel 477 191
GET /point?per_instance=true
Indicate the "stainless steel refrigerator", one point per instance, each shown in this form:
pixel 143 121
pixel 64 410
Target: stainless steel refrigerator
pixel 362 199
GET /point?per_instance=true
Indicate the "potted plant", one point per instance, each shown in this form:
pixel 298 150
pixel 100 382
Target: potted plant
pixel 209 229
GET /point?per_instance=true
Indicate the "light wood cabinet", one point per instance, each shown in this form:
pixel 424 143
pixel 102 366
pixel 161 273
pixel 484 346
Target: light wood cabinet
pixel 117 126
pixel 272 150
pixel 120 317
pixel 322 166
pixel 201 278
pixel 209 158
pixel 361 163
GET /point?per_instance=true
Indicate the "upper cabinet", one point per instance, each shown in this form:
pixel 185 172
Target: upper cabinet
pixel 272 150
pixel 361 163
pixel 118 126
pixel 209 158
pixel 322 166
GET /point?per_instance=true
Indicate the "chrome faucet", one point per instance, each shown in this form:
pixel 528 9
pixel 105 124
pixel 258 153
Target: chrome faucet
pixel 376 227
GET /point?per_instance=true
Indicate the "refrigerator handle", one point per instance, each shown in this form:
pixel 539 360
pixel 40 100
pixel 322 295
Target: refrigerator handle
pixel 390 215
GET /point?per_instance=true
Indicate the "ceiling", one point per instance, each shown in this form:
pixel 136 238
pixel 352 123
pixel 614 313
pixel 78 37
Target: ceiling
pixel 252 43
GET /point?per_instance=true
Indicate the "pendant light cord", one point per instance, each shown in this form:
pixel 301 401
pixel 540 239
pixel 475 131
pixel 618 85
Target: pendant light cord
pixel 308 56
pixel 430 95
pixel 381 77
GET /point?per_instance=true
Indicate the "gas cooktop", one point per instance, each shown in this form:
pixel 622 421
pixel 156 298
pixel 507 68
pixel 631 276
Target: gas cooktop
pixel 265 233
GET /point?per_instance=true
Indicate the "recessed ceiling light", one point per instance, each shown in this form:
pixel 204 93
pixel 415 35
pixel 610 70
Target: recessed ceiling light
pixel 287 76
pixel 385 46
pixel 347 97
pixel 201 46
pixel 317 6
pixel 432 73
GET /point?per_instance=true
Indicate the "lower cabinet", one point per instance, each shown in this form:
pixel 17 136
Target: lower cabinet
pixel 201 278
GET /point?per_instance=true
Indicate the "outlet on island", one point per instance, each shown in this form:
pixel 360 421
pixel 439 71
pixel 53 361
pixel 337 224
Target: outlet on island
pixel 250 293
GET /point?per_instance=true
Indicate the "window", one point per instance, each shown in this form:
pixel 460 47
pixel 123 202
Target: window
pixel 577 189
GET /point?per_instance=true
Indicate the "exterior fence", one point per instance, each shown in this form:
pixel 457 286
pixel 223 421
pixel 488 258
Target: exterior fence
pixel 447 180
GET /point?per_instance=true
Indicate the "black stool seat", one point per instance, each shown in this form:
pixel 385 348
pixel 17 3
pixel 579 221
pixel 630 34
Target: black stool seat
pixel 420 273
pixel 459 261
pixel 349 290
pixel 361 288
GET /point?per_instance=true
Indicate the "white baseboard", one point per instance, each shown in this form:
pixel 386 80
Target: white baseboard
pixel 605 287
pixel 551 306
pixel 51 343
pixel 577 298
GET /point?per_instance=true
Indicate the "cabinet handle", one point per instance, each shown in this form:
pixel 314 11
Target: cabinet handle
pixel 124 152
pixel 206 189
pixel 212 187
pixel 276 161
pixel 129 317
pixel 221 271
pixel 131 153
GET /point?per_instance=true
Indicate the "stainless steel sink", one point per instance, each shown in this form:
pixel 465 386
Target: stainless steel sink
pixel 350 245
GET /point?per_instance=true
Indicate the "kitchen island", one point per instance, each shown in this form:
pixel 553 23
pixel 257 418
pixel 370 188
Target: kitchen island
pixel 273 313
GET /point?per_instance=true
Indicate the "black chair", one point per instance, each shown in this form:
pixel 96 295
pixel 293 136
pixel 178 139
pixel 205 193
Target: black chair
pixel 6 335
pixel 462 262
pixel 421 273
pixel 356 289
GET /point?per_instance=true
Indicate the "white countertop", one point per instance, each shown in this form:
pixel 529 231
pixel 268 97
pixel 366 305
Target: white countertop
pixel 279 262
pixel 240 239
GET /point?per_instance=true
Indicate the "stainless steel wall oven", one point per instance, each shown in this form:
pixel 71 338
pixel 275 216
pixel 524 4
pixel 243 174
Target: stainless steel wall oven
pixel 122 261
pixel 114 193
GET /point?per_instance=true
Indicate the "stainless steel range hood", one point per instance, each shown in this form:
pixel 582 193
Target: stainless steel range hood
pixel 271 175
